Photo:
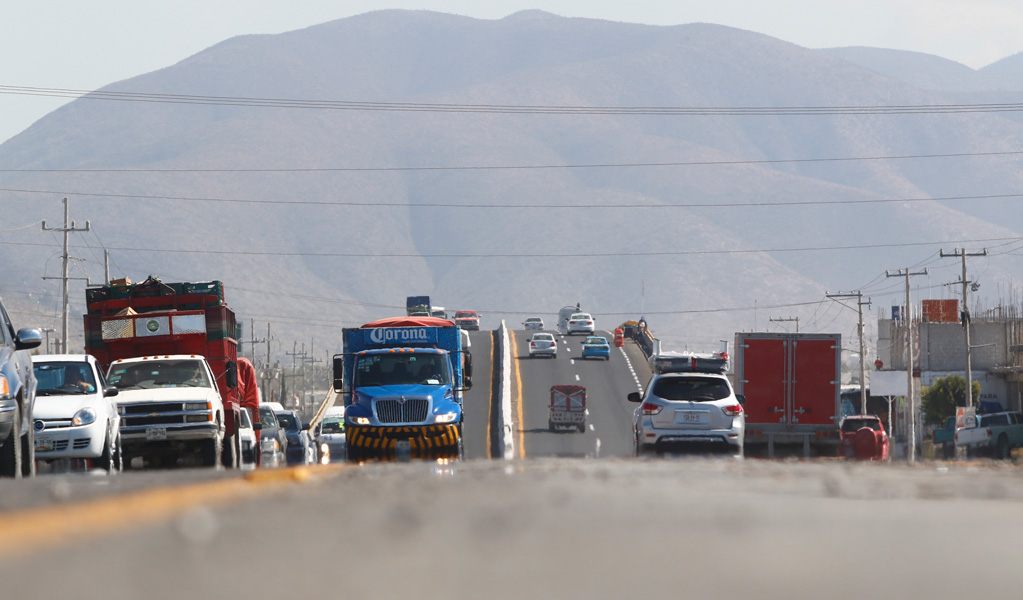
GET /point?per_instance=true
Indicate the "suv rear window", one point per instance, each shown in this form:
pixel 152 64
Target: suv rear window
pixel 691 389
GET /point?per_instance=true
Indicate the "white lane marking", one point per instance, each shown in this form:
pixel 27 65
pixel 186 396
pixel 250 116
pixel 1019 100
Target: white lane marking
pixel 635 377
pixel 577 377
pixel 597 452
pixel 591 427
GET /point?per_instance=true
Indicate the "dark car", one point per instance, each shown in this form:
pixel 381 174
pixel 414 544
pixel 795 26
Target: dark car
pixel 301 448
pixel 270 428
pixel 17 398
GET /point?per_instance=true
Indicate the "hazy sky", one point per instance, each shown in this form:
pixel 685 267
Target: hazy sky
pixel 86 44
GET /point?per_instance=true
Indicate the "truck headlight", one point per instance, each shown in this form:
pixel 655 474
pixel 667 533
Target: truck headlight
pixel 359 420
pixel 84 417
pixel 446 418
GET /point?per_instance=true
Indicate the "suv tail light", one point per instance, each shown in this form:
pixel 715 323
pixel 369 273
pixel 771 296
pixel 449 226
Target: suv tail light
pixel 649 408
pixel 733 410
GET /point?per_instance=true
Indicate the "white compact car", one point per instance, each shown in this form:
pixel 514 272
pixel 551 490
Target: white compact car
pixel 330 435
pixel 75 413
pixel 247 435
pixel 543 344
pixel 533 324
pixel 694 411
pixel 580 323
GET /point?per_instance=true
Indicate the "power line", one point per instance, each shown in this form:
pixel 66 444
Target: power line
pixel 523 255
pixel 529 167
pixel 349 105
pixel 341 203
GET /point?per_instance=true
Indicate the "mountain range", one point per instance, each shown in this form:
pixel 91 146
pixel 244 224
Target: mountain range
pixel 708 178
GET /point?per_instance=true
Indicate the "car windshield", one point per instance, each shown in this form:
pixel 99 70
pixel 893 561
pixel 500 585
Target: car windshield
pixel 464 313
pixel 267 420
pixel 333 426
pixel 691 389
pixel 596 341
pixel 63 378
pixel 288 422
pixel 580 317
pixel 163 373
pixel 405 368
pixel 543 337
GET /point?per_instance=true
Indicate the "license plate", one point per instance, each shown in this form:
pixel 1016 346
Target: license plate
pixel 156 433
pixel 44 445
pixel 689 416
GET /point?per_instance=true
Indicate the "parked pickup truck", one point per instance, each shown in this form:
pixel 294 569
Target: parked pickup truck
pixel 991 433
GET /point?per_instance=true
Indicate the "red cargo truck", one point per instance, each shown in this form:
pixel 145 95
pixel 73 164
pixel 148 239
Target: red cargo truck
pixel 170 321
pixel 792 385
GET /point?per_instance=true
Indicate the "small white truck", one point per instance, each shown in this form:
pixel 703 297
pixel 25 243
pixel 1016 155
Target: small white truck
pixel 994 434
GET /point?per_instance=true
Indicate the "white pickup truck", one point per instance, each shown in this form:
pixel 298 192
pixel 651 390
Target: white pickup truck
pixel 170 409
pixel 994 434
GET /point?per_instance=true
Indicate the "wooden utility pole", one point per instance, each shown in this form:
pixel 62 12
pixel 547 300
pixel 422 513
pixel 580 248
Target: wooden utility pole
pixel 863 369
pixel 69 226
pixel 964 318
pixel 909 359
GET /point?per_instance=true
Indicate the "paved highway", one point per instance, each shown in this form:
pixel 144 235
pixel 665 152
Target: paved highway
pixel 609 422
pixel 549 525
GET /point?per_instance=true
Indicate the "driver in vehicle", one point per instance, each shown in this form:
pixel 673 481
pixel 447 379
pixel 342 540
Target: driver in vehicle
pixel 75 378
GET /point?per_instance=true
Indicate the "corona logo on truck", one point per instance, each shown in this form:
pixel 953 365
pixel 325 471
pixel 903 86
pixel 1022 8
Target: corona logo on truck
pixel 402 381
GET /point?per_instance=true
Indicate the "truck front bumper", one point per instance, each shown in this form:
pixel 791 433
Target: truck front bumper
pixel 422 440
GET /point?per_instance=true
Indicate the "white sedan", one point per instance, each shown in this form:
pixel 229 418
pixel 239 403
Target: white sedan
pixel 533 324
pixel 75 412
pixel 580 323
pixel 543 344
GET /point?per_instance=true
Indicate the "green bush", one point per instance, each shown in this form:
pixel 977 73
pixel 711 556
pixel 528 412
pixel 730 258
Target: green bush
pixel 941 398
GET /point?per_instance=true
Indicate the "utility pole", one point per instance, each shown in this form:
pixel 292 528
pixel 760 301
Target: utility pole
pixel 106 267
pixel 67 229
pixel 863 369
pixel 253 341
pixel 48 331
pixel 964 317
pixel 909 359
pixel 788 320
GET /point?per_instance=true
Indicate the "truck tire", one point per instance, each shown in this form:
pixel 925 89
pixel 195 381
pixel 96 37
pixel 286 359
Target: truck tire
pixel 210 452
pixel 1002 451
pixel 28 453
pixel 10 451
pixel 231 455
pixel 949 450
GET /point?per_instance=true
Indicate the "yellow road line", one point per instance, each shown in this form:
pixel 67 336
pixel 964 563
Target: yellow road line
pixel 40 528
pixel 518 383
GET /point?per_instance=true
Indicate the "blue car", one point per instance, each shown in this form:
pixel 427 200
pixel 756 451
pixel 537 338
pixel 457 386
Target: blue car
pixel 596 347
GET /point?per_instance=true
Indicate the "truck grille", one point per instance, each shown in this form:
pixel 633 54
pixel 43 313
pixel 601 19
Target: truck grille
pixel 413 410
pixel 158 413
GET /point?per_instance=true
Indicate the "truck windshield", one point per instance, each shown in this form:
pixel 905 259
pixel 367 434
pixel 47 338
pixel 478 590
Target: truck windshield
pixel 405 368
pixel 159 374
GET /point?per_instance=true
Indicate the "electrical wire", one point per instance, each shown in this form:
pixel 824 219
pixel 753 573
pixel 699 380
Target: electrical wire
pixel 360 105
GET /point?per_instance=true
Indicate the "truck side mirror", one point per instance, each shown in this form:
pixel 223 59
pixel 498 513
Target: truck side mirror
pixel 339 373
pixel 231 375
pixel 109 391
pixel 468 365
pixel 257 426
pixel 634 397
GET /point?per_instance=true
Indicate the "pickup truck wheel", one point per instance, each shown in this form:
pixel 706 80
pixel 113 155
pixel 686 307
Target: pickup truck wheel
pixel 28 453
pixel 1003 447
pixel 10 452
pixel 950 450
pixel 210 452
pixel 231 453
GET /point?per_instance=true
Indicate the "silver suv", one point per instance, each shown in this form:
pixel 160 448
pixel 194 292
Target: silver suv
pixel 17 398
pixel 691 411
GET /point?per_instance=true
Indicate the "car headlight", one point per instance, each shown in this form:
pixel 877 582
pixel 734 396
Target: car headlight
pixel 84 417
pixel 446 418
pixel 360 420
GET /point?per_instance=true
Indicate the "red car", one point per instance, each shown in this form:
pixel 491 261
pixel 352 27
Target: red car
pixel 863 437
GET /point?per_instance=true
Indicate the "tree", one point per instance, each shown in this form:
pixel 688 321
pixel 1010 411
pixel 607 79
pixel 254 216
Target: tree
pixel 941 398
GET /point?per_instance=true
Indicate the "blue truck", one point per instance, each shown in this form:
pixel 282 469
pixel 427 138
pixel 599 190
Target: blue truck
pixel 402 381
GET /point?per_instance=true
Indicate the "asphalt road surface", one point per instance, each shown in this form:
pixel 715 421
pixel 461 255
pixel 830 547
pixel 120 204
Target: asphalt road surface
pixel 574 518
